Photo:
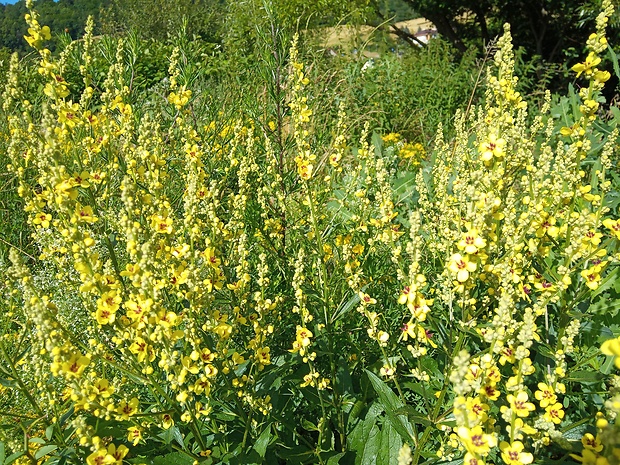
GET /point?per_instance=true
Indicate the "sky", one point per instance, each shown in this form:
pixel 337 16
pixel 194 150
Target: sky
pixel 8 1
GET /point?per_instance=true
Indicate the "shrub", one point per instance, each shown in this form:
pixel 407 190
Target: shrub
pixel 248 289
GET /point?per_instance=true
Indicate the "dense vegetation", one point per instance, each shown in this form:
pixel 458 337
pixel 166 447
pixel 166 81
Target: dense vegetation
pixel 244 248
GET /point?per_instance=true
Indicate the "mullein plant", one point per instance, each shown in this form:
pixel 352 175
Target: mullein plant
pixel 218 286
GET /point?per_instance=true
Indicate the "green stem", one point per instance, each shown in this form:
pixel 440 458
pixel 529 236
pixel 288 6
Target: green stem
pixel 17 378
pixel 438 405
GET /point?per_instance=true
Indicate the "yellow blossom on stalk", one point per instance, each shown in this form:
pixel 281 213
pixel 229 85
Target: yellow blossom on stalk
pixel 519 404
pixel 139 309
pixel 84 214
pixel 127 409
pixel 492 147
pixel 476 441
pixel 545 395
pixel 42 219
pixel 513 454
pixel 477 410
pixel 180 99
pixel 303 336
pixel 612 347
pixel 263 356
pixel 100 457
pixel 161 224
pixel 107 305
pixel 588 66
pixel 134 435
pixel 75 366
pixel 489 392
pixel 461 266
pixel 592 443
pixel 554 413
pixel 167 421
pixel 67 114
pixel 471 242
pixel 613 226
pixel 118 453
pixel 592 275
pixel 102 388
pixel 365 299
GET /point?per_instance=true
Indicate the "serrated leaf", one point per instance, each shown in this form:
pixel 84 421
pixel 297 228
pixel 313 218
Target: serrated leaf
pixel 391 403
pixel 43 451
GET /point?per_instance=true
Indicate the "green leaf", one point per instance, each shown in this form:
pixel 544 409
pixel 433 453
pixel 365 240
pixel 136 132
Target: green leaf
pixel 392 403
pixel 176 458
pixel 43 451
pixel 390 445
pixel 2 452
pixel 584 376
pixel 614 60
pixel 335 459
pixel 372 447
pixel 359 435
pixel 308 425
pixel 260 446
pixel 13 457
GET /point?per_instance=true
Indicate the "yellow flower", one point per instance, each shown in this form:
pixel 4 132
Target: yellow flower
pixel 520 405
pixel 303 336
pixel 491 148
pixel 554 413
pixel 262 356
pixel 126 409
pixel 76 365
pixel 476 441
pixel 513 454
pixel 461 266
pixel 545 395
pixel 42 219
pixel 100 457
pixel 162 225
pixel 590 442
pixel 613 226
pixel 587 66
pixel 134 435
pixel 117 453
pixel 612 347
pixel 365 299
pixel 471 242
